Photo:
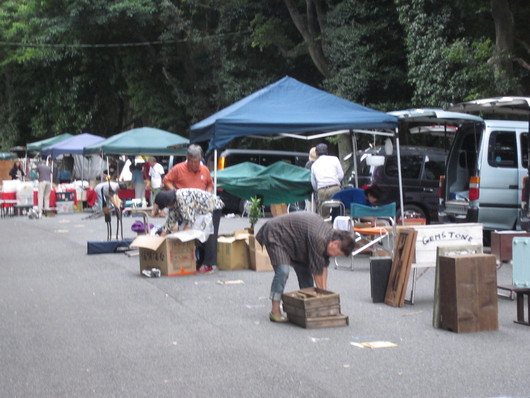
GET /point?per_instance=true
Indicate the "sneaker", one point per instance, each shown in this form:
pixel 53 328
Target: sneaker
pixel 205 269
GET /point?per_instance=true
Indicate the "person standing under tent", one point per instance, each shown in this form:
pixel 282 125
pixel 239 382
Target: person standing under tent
pixel 326 174
pixel 16 171
pixel 193 174
pixel 44 175
pixel 138 181
pixel 156 171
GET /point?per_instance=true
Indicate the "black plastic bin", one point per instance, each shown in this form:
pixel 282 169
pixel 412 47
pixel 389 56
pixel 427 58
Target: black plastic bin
pixel 379 274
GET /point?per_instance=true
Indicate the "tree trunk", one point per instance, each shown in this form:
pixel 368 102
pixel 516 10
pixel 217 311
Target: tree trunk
pixel 504 30
pixel 311 29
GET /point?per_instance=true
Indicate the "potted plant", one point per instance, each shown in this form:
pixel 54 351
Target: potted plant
pixel 254 212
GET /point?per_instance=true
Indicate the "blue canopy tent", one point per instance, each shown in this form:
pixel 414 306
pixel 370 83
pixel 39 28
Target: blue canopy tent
pixel 70 146
pixel 290 108
pixel 287 107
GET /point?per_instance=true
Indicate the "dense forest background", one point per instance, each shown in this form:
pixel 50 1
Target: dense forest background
pixel 104 66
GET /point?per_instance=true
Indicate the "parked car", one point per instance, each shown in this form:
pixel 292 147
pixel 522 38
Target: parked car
pixel 421 168
pixel 483 180
pixel 231 157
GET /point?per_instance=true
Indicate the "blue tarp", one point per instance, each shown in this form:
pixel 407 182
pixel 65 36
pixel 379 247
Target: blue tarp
pixel 287 106
pixel 71 146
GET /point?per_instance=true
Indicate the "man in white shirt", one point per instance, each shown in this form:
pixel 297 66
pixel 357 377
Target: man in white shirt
pixel 156 171
pixel 326 174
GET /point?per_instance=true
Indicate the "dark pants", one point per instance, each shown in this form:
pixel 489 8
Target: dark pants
pixel 207 251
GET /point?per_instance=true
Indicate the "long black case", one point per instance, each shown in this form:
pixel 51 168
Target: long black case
pixel 107 246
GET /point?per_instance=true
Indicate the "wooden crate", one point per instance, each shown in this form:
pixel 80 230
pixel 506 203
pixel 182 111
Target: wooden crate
pixel 501 243
pixel 314 308
pixel 468 293
pixel 310 298
pixel 329 310
pixel 320 322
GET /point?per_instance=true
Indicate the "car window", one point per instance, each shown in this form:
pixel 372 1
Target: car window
pixel 524 149
pixel 502 151
pixel 410 166
pixel 236 158
pixel 434 169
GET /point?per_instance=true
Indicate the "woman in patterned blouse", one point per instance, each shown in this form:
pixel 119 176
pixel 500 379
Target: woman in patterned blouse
pixel 184 205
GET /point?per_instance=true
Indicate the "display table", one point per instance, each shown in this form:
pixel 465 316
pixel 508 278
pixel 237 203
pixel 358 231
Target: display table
pixel 7 203
pixel 126 194
pixel 53 197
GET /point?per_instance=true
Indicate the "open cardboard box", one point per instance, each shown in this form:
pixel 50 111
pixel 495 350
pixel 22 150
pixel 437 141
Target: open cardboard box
pixel 173 254
pixel 232 251
pixel 259 258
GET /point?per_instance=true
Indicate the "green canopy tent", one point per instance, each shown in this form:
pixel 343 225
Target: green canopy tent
pixel 38 145
pixel 278 183
pixel 140 141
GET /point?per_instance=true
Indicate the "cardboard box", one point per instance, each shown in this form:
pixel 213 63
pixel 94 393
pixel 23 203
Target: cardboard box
pixel 232 251
pixel 169 254
pixel 64 207
pixel 277 209
pixel 258 256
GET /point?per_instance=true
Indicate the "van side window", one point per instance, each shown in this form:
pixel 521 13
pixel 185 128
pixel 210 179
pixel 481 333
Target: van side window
pixel 502 151
pixel 524 149
pixel 410 166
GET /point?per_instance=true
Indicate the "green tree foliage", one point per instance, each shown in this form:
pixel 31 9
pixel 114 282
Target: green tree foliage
pixel 103 66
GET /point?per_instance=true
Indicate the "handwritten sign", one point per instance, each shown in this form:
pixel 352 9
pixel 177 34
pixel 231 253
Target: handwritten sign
pixel 431 236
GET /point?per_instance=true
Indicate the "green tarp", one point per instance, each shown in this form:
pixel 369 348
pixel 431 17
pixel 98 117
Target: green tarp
pixel 38 145
pixel 141 141
pixel 278 183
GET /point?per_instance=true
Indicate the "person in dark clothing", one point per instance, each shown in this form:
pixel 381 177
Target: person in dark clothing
pixel 304 241
pixel 16 171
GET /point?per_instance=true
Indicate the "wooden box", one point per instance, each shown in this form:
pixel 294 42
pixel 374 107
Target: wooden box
pixel 320 322
pixel 314 308
pixel 468 293
pixel 501 243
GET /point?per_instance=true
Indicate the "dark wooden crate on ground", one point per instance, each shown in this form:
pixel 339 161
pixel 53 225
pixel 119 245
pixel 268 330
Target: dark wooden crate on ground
pixel 501 243
pixel 468 293
pixel 314 308
pixel 320 322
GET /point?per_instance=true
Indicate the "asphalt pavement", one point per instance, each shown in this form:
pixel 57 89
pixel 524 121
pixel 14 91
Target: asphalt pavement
pixel 78 325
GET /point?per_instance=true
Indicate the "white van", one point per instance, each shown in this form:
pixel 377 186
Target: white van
pixel 484 175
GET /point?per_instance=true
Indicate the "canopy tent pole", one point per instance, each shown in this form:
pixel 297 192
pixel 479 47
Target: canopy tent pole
pixel 215 170
pixel 354 155
pixel 401 201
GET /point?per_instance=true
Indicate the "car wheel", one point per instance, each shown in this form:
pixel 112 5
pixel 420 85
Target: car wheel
pixel 412 211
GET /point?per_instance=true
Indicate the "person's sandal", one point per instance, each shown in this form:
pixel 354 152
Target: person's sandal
pixel 279 318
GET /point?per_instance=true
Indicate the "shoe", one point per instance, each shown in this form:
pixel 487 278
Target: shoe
pixel 205 269
pixel 278 318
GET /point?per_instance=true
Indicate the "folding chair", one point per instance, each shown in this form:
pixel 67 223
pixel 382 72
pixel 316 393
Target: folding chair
pixel 349 196
pixel 372 238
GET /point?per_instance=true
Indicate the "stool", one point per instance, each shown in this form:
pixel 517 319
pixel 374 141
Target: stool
pixel 330 205
pixel 520 294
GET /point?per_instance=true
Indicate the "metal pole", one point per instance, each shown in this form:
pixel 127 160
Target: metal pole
pixel 215 171
pixel 401 201
pixel 354 156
